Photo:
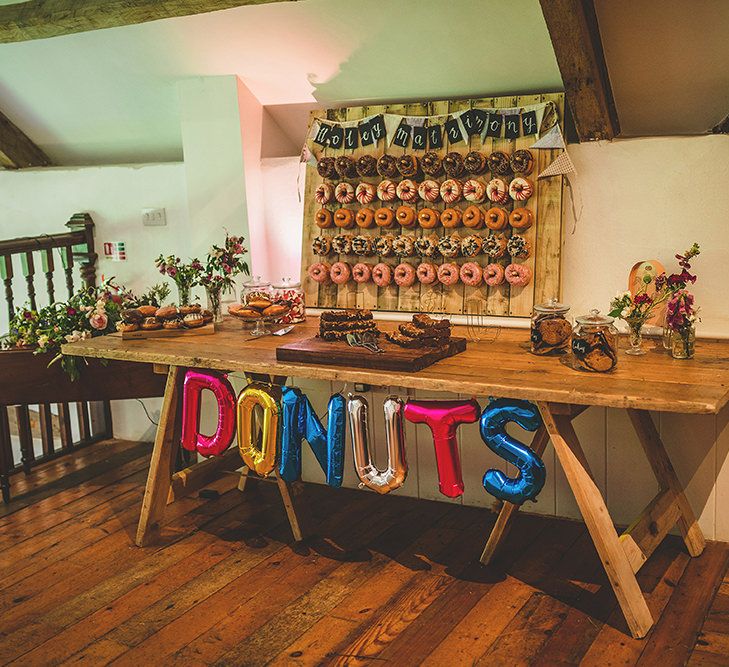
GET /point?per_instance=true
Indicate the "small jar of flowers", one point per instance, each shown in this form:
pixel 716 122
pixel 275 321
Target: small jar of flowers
pixel 222 266
pixel 185 275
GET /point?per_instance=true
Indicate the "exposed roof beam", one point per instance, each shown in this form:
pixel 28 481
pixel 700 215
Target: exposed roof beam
pixel 573 28
pixel 41 19
pixel 16 150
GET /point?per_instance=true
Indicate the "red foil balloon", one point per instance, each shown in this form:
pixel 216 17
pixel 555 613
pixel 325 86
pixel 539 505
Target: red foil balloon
pixel 192 439
pixel 443 419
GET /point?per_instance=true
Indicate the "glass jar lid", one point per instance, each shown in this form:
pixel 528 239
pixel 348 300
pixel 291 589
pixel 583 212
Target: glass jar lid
pixel 256 282
pixel 287 283
pixel 594 318
pixel 552 306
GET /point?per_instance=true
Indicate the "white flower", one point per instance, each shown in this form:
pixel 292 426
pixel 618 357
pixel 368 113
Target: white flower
pixel 625 312
pixel 626 293
pixel 42 340
pixel 73 337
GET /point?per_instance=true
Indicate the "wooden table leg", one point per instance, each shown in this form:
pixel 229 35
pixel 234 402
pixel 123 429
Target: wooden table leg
pixel 508 510
pixel 162 463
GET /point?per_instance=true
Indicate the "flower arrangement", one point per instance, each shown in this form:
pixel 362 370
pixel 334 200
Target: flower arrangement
pixel 185 275
pixel 222 266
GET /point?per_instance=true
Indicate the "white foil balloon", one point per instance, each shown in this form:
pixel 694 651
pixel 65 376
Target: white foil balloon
pixel 393 477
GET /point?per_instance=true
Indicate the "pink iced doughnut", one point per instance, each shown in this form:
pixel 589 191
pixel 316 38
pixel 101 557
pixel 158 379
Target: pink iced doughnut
pixel 361 272
pixel 387 191
pixel 344 193
pixel 448 274
pixel 493 275
pixel 429 191
pixel 324 194
pixel 520 189
pixel 471 274
pixel 404 274
pixel 497 191
pixel 451 190
pixel 340 273
pixel 518 275
pixel 474 191
pixel 426 273
pixel 407 190
pixel 365 193
pixel 319 272
pixel 382 275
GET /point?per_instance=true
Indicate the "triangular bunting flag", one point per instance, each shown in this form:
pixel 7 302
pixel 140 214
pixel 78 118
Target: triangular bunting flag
pixel 552 139
pixel 561 165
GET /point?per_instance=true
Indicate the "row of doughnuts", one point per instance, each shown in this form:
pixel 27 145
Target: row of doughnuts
pixel 473 217
pixel 495 246
pixel 405 274
pixel 453 164
pixel 451 190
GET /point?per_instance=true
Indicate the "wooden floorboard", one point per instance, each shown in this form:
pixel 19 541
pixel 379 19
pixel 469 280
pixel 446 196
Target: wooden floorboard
pixel 384 580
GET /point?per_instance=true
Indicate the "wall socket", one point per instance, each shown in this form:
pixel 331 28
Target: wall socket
pixel 154 217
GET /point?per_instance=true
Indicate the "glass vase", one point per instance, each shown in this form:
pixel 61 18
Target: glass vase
pixel 215 303
pixel 636 338
pixel 683 343
pixel 183 294
pixel 666 335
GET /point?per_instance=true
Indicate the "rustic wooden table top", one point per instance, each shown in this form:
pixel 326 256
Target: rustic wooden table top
pixel 502 367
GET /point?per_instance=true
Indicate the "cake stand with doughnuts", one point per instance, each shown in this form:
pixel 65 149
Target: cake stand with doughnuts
pixel 259 312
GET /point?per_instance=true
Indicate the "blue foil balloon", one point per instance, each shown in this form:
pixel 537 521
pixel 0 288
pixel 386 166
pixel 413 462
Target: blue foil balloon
pixel 532 473
pixel 299 421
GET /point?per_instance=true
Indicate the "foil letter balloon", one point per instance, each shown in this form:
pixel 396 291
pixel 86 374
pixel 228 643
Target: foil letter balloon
pixel 393 477
pixel 443 419
pixel 532 473
pixel 261 459
pixel 192 388
pixel 298 420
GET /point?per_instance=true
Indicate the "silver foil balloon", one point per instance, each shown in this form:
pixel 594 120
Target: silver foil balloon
pixel 393 477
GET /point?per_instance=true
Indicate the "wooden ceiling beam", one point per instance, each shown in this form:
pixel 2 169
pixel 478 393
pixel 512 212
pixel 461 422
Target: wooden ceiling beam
pixel 16 150
pixel 41 19
pixel 575 36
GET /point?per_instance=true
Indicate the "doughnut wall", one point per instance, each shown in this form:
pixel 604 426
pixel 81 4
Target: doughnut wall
pixel 466 228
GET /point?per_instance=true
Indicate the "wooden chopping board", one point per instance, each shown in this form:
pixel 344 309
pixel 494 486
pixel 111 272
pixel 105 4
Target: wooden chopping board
pixel 395 358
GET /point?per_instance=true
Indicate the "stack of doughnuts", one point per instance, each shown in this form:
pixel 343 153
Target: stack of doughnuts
pixel 151 318
pixel 257 307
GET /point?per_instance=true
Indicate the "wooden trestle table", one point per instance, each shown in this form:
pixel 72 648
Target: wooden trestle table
pixel 501 368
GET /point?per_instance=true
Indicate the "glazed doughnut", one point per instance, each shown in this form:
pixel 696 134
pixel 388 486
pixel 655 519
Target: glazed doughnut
pixel 493 275
pixel 449 246
pixel 521 218
pixel 429 191
pixel 428 218
pixel 366 165
pixel 382 275
pixel 387 166
pixel 342 244
pixel 497 191
pixel 407 190
pixel 453 164
pixel 325 168
pixel 344 193
pixel 361 272
pixel 494 246
pixel 384 217
pixel 475 163
pixel 520 189
pixel 522 162
pixel 518 247
pixel 427 246
pixel 451 190
pixel 386 191
pixel 407 165
pixel 471 246
pixel 426 273
pixel 340 273
pixel 362 246
pixel 496 218
pixel 499 163
pixel 383 245
pixel 474 191
pixel 431 163
pixel 343 218
pixel 518 275
pixel 321 245
pixel 448 274
pixel 345 167
pixel 365 218
pixel 405 274
pixel 319 272
pixel 324 194
pixel 323 218
pixel 406 216
pixel 403 246
pixel 365 193
pixel 471 274
pixel 450 218
pixel 473 217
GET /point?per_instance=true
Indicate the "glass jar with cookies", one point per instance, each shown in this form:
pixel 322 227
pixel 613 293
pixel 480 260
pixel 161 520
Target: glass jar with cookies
pixel 550 328
pixel 595 343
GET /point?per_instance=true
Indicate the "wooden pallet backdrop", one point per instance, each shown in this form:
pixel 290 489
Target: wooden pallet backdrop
pixel 545 234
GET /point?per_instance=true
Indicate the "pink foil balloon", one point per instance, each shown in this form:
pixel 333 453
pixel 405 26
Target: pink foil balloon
pixel 443 419
pixel 192 439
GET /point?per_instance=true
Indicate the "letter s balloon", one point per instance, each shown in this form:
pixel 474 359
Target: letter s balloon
pixel 532 473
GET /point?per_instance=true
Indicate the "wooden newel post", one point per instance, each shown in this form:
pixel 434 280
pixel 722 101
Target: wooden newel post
pixel 85 252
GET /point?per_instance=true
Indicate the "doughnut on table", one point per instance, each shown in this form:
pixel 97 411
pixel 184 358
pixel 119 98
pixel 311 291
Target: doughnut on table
pixel 638 384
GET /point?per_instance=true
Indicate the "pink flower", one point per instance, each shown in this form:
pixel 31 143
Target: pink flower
pixel 70 311
pixel 171 271
pixel 99 321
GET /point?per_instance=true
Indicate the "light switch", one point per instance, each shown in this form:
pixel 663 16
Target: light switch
pixel 154 217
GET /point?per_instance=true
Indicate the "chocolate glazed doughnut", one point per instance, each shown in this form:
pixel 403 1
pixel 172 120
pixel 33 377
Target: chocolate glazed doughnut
pixel 475 163
pixel 367 166
pixel 387 166
pixel 345 167
pixel 431 163
pixel 453 164
pixel 499 163
pixel 407 165
pixel 325 168
pixel 522 162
